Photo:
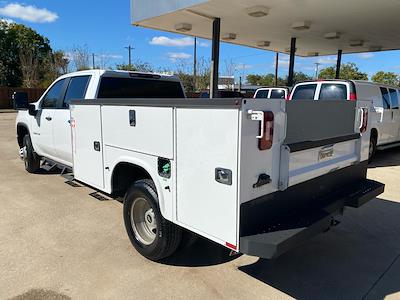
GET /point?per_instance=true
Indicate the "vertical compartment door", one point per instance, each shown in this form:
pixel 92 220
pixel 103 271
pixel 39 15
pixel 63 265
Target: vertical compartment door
pixel 207 151
pixel 87 144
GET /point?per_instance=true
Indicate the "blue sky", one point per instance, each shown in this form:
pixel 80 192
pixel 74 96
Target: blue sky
pixel 104 26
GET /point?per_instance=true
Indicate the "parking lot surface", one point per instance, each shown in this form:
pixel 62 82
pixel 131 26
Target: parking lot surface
pixel 58 242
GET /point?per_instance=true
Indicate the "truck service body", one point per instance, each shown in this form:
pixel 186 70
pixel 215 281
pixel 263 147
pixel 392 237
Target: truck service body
pixel 255 176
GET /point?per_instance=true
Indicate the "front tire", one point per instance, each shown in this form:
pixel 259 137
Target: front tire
pixel 152 236
pixel 31 159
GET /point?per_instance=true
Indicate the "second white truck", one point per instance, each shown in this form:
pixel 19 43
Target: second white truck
pixel 255 176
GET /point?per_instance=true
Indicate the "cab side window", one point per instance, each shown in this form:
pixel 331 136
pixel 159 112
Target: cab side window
pixel 53 95
pixel 76 89
pixel 385 98
pixel 394 98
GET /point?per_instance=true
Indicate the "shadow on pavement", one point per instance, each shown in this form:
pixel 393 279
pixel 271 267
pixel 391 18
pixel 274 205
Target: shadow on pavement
pixel 351 261
pixel 386 158
pixel 202 253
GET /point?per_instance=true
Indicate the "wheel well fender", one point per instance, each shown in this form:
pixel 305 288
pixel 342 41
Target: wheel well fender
pixel 22 130
pixel 128 170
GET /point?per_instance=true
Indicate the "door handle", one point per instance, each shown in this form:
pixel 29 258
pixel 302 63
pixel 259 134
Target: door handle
pixel 48 118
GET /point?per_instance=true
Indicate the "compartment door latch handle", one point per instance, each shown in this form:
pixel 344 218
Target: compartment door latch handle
pixel 262 180
pixel 223 176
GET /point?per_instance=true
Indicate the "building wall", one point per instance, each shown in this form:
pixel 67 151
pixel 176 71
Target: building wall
pixel 144 9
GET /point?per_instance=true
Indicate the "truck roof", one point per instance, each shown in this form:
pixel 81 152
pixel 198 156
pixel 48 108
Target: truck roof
pixel 121 73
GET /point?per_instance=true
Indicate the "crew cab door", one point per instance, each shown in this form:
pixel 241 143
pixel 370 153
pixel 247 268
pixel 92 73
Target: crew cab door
pixel 42 125
pixel 76 89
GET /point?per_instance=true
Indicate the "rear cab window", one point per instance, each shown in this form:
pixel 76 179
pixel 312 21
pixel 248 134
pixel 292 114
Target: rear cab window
pixel 333 91
pixel 122 87
pixel 304 92
pixel 277 94
pixel 262 94
pixel 385 98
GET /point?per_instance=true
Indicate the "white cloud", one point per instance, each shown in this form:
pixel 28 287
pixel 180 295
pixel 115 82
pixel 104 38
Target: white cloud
pixel 203 44
pixel 28 13
pixel 244 66
pixel 173 56
pixel 366 55
pixel 8 21
pixel 327 60
pixel 172 42
pixel 110 56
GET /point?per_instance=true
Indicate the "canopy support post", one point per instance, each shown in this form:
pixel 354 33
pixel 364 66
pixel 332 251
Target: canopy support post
pixel 216 33
pixel 338 64
pixel 291 61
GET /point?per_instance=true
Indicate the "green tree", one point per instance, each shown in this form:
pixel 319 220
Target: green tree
pixel 137 66
pixel 17 40
pixel 261 80
pixel 389 78
pixel 348 71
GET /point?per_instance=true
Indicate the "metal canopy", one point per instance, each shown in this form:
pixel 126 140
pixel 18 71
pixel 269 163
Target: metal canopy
pixel 323 26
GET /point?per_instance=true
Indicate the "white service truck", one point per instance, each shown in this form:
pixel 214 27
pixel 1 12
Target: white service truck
pixel 255 176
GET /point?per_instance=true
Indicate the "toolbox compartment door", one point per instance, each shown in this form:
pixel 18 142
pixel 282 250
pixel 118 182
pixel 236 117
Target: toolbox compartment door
pixel 87 144
pixel 207 151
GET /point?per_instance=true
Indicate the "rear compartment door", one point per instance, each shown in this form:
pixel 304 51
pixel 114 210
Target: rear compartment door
pixel 207 151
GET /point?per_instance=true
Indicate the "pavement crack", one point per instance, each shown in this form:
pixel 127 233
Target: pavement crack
pixel 380 277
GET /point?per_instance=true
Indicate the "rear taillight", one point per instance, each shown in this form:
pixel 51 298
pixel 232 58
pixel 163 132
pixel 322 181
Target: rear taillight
pixel 265 142
pixel 364 120
pixel 353 97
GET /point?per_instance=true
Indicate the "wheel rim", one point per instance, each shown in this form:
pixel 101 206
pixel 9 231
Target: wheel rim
pixel 143 221
pixel 25 156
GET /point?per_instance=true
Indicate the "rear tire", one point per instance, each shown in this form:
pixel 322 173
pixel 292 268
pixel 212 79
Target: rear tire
pixel 31 159
pixel 152 236
pixel 372 147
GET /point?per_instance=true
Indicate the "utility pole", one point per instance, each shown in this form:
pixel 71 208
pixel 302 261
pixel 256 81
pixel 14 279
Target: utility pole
pixel 317 64
pixel 129 55
pixel 93 66
pixel 276 68
pixel 195 64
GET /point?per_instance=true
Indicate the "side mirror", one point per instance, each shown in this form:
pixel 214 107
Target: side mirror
pixel 32 110
pixel 20 100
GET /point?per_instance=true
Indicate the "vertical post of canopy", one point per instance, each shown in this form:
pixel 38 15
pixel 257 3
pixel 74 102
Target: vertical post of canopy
pixel 338 63
pixel 215 57
pixel 195 65
pixel 291 61
pixel 276 68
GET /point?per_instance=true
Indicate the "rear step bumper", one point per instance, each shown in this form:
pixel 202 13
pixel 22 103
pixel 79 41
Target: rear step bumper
pixel 285 234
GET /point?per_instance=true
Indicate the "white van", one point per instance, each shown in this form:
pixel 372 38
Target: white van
pixel 385 130
pixel 272 93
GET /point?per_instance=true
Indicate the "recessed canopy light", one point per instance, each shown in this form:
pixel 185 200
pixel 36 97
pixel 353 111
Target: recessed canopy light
pixel 375 48
pixel 257 11
pixel 301 25
pixel 356 43
pixel 183 27
pixel 288 49
pixel 229 36
pixel 263 43
pixel 312 53
pixel 332 35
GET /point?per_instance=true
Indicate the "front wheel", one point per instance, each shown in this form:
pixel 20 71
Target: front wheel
pixel 151 235
pixel 31 159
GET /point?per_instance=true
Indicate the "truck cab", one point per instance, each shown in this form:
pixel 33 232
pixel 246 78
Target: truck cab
pixel 47 122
